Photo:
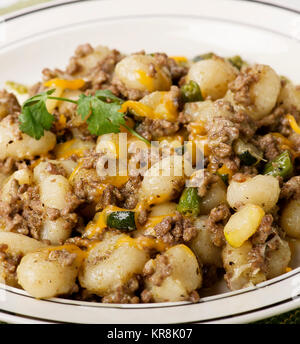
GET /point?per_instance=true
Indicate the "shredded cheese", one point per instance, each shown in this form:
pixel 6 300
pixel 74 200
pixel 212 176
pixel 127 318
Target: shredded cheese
pixel 65 84
pixel 179 59
pixel 293 123
pixel 146 80
pixel 142 243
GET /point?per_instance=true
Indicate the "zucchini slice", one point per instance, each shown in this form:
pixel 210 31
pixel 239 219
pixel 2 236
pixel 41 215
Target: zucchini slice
pixel 247 152
pixel 123 220
pixel 281 166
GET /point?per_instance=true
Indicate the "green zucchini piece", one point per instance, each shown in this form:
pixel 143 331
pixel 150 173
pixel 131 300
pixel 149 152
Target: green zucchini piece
pixel 281 166
pixel 237 61
pixel 247 152
pixel 189 202
pixel 201 57
pixel 123 220
pixel 191 92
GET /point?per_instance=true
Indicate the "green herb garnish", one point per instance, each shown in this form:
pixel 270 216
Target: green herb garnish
pixel 100 111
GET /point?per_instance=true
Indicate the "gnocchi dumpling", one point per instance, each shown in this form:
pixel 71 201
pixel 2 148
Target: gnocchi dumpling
pixel 262 190
pixel 182 275
pixel 50 272
pixel 141 72
pixel 213 76
pixel 110 264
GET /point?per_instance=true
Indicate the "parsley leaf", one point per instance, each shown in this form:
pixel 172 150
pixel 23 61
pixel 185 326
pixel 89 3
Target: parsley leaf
pixel 102 118
pixel 35 118
pixel 101 113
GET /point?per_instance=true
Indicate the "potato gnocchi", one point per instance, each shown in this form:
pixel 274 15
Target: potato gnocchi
pixel 148 178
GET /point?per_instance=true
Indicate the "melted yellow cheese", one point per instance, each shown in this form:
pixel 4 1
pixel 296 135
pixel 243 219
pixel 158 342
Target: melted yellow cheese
pixel 179 59
pixel 146 80
pixel 142 243
pixel 65 84
pixel 71 248
pixel 162 108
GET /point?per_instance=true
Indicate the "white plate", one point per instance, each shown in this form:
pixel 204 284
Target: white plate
pixel 47 35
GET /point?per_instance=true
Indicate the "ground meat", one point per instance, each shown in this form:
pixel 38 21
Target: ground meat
pixel 221 134
pixel 203 179
pixel 63 257
pixel 9 263
pixel 194 296
pixel 86 184
pixel 270 146
pixel 175 229
pixel 84 50
pixel 129 192
pixel 142 216
pixel 7 165
pixel 246 125
pixel 110 196
pixel 125 293
pixel 241 86
pixel 56 169
pixel 260 252
pixel 215 223
pixel 153 129
pixel 33 212
pixel 157 270
pixel 176 70
pixel 291 189
pixel 35 89
pixel 129 93
pixel 8 103
pixel 264 231
pixel 146 296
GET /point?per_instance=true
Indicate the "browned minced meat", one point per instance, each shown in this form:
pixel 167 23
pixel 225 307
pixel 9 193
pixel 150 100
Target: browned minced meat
pixel 63 257
pixel 153 129
pixel 8 103
pixel 270 146
pixel 9 263
pixel 25 213
pixel 86 184
pixel 157 270
pixel 194 296
pixel 56 169
pixel 33 212
pixel 246 125
pixel 146 296
pixel 291 189
pixel 203 180
pixel 7 165
pixel 129 192
pixel 264 241
pixel 216 221
pixel 264 230
pixel 221 134
pixel 110 196
pixel 175 229
pixel 125 293
pixel 241 86
pixel 176 70
pixel 129 93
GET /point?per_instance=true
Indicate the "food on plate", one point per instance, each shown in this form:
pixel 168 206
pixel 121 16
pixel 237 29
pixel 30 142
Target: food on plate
pixel 148 178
